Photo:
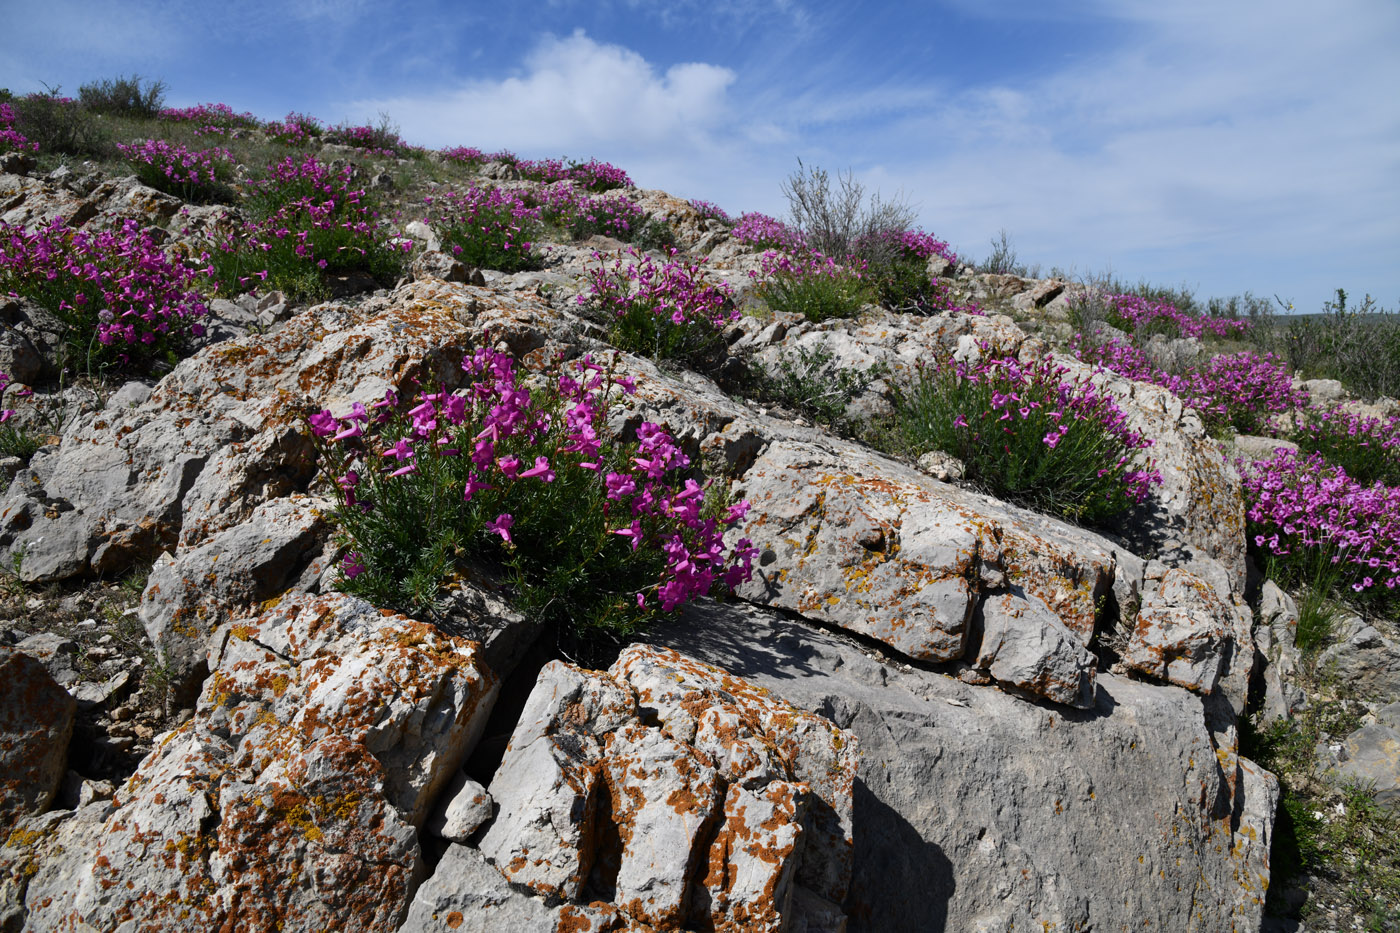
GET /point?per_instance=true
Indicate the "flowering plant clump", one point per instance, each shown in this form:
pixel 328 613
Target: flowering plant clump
pixel 465 155
pixel 210 119
pixel 765 232
pixel 664 311
pixel 589 176
pixel 812 285
pixel 1142 315
pixel 11 138
pixel 711 211
pixel 1239 390
pixel 123 303
pixel 583 216
pixel 309 221
pixel 489 228
pixel 379 140
pixel 1029 433
pixel 1309 517
pixel 899 271
pixel 191 174
pixel 591 532
pixel 1367 448
pixel 295 129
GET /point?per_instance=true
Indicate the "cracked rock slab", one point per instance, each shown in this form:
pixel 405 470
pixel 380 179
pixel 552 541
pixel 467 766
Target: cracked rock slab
pixel 322 736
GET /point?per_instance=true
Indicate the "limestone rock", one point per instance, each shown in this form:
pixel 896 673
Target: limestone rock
pixel 466 806
pixel 1181 635
pixel 547 785
pixel 1365 657
pixel 976 810
pixel 675 795
pixel 36 722
pixel 748 732
pixel 321 738
pixel 467 895
pixel 188 598
pixel 855 540
pixel 1371 756
pixel 661 801
pixel 753 859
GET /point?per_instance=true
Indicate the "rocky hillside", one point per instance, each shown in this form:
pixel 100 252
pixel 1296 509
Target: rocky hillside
pixel 922 707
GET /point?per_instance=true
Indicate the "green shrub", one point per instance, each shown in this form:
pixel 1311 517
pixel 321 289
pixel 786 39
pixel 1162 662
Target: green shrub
pixel 1358 345
pixel 592 533
pixel 664 311
pixel 309 222
pixel 1027 433
pixel 132 97
pixel 812 285
pixel 59 125
pixel 488 228
pixel 809 382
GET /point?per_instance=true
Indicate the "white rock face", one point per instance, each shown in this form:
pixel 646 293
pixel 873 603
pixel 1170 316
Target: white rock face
pixel 977 810
pixel 676 795
pixel 323 734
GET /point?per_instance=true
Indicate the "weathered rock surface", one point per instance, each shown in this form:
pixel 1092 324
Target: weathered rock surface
pixel 321 739
pixel 1276 640
pixel 852 539
pixel 1371 756
pixel 188 598
pixel 465 805
pixel 975 810
pixel 1181 634
pixel 678 794
pixel 1366 656
pixel 36 722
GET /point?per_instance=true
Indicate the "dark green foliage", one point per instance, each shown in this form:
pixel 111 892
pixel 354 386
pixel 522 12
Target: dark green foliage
pixel 123 97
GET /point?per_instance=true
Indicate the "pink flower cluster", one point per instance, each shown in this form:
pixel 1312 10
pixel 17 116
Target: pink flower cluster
pixel 612 215
pixel 911 244
pixel 766 232
pixel 479 225
pixel 1039 394
pixel 1302 504
pixel 675 290
pixel 295 129
pixel 809 264
pixel 1368 447
pixel 215 119
pixel 711 211
pixel 591 175
pixel 375 140
pixel 117 282
pixel 11 138
pixel 504 442
pixel 1240 389
pixel 466 155
pixel 320 216
pixel 176 166
pixel 1137 311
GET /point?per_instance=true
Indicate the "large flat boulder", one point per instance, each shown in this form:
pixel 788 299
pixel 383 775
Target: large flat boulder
pixel 975 810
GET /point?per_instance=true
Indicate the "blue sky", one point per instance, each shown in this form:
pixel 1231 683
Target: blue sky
pixel 1223 146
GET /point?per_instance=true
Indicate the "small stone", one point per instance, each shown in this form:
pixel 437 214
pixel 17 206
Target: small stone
pixel 467 806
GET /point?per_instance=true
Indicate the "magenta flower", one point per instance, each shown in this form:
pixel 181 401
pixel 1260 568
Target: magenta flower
pixel 501 526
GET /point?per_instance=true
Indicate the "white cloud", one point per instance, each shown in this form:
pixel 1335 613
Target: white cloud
pixel 573 95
